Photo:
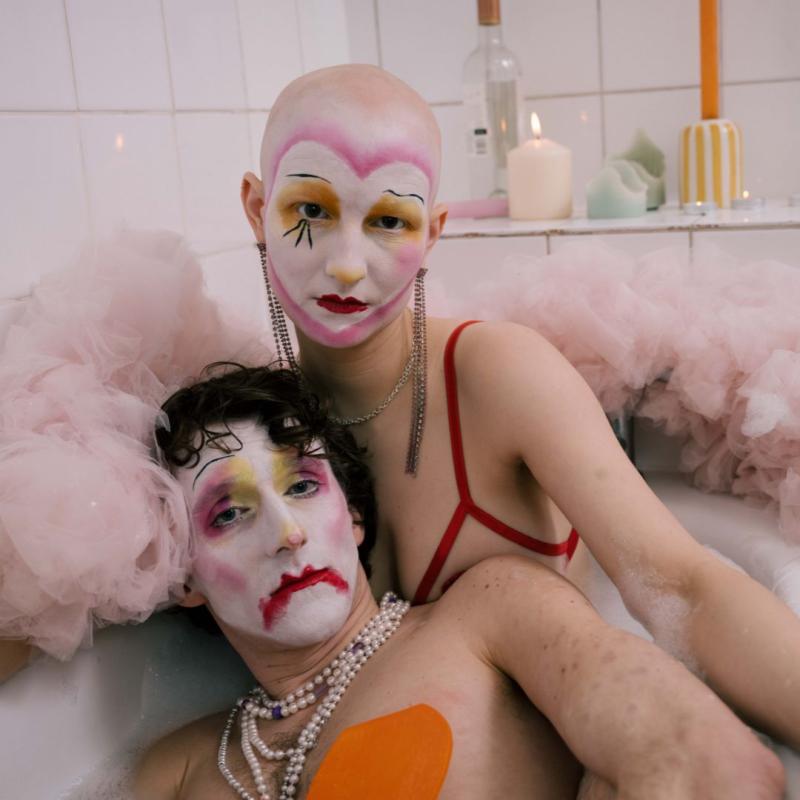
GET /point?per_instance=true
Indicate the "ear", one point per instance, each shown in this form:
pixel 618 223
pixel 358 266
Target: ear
pixel 436 225
pixel 252 195
pixel 192 599
pixel 358 528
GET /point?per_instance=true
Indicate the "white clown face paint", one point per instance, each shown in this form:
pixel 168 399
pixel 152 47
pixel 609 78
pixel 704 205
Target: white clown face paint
pixel 275 552
pixel 346 235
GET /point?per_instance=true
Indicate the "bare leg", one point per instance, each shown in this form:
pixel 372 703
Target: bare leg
pixel 593 787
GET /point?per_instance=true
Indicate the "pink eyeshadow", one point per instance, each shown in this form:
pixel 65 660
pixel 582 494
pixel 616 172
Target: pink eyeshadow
pixel 362 161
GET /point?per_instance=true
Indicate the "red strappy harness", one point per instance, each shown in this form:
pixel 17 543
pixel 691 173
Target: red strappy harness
pixel 466 505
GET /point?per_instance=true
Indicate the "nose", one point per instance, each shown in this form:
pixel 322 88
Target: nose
pixel 348 265
pixel 346 274
pixel 290 537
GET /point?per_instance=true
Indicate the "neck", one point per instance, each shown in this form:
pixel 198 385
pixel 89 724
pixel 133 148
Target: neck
pixel 283 671
pixel 358 378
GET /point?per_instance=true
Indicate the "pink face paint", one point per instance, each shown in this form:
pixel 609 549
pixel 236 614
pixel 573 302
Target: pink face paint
pixel 362 160
pixel 214 572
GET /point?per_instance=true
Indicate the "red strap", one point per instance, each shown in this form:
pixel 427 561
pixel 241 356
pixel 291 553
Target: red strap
pixel 466 505
pixel 453 416
pixel 440 556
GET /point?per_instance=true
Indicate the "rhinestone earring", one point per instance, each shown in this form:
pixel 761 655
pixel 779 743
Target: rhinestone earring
pixel 419 375
pixel 280 332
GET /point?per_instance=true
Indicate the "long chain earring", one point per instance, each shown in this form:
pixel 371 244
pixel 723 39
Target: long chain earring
pixel 280 332
pixel 420 371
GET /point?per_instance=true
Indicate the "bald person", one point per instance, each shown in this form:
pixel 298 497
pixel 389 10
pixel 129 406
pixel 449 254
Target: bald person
pixel 478 695
pixel 482 439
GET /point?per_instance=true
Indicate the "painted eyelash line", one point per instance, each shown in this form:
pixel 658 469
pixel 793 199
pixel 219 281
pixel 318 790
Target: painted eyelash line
pixel 305 227
pixel 397 194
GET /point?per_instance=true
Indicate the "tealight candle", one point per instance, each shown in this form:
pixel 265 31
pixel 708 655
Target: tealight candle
pixel 747 203
pixel 700 207
pixel 539 178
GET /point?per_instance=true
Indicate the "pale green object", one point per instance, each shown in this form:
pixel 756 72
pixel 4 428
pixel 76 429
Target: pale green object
pixel 616 192
pixel 643 151
pixel 655 186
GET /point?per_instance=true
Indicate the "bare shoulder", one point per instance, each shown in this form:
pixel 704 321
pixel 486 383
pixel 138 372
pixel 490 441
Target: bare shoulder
pixel 500 589
pixel 164 768
pixel 508 354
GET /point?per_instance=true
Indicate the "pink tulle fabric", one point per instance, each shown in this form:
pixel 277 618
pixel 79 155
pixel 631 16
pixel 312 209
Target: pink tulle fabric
pixel 709 348
pixel 92 529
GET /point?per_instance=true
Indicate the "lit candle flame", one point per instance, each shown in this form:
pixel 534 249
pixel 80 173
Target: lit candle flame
pixel 745 194
pixel 119 143
pixel 536 126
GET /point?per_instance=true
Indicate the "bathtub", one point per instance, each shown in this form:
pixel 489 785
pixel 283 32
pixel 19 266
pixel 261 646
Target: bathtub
pixel 70 731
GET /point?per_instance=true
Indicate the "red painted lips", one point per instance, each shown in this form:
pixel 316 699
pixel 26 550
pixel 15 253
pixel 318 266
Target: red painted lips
pixel 274 606
pixel 341 305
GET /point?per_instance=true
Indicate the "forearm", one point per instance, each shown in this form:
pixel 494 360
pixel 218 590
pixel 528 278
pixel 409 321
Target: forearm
pixel 642 721
pixel 747 644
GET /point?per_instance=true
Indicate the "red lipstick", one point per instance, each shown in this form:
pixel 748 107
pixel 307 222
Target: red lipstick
pixel 341 305
pixel 274 606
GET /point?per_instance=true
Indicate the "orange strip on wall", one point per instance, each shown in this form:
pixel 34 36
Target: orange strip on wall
pixel 709 59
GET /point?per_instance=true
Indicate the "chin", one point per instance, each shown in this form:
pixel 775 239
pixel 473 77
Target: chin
pixel 314 619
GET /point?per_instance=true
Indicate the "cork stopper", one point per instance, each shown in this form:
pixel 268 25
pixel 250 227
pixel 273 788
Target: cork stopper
pixel 489 12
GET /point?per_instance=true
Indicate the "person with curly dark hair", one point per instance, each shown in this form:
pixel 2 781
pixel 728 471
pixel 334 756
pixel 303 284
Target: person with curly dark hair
pixel 358 699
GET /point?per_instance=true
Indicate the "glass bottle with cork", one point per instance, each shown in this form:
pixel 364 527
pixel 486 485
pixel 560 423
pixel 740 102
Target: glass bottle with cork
pixel 492 104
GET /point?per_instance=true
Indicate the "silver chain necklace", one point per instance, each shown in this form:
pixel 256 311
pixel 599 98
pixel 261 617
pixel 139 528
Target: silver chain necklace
pixel 327 687
pixel 401 382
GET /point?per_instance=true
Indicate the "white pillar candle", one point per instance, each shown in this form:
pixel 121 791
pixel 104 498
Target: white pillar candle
pixel 539 178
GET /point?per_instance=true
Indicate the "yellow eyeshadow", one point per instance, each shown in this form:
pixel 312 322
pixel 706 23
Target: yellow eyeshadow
pixel 407 210
pixel 306 192
pixel 284 469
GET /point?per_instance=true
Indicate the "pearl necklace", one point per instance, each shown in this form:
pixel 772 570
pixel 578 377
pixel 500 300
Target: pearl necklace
pixel 330 682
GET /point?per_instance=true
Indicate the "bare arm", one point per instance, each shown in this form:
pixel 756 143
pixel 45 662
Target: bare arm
pixel 745 640
pixel 628 711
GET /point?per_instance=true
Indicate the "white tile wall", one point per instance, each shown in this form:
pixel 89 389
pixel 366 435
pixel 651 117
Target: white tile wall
pixel 595 70
pixel 105 35
pixel 362 31
pixel 323 33
pixel 768 115
pixel 426 44
pixel 270 48
pixel 214 153
pixel 556 44
pixel 777 245
pixel 35 68
pixel 205 53
pixel 760 39
pixel 650 43
pixel 635 244
pixel 45 215
pixel 257 121
pixel 131 171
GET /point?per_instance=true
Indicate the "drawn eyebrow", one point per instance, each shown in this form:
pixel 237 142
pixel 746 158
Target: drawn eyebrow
pixel 306 175
pixel 410 194
pixel 208 463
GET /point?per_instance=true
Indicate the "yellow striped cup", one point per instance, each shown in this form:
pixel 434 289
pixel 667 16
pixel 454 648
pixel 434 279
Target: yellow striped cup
pixel 711 162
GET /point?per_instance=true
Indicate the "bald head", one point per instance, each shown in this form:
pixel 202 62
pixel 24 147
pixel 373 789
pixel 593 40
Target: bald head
pixel 358 109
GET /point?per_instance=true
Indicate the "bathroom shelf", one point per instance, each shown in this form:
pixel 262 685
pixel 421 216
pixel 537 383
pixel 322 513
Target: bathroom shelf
pixel 777 215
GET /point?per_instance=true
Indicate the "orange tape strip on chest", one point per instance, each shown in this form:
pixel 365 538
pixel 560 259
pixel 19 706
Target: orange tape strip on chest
pixel 400 756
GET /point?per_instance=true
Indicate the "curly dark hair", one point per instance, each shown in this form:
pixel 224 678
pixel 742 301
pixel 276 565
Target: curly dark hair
pixel 279 401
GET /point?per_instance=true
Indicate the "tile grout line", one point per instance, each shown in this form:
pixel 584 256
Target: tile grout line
pixel 87 198
pixel 376 11
pixel 173 121
pixel 250 149
pixel 601 79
